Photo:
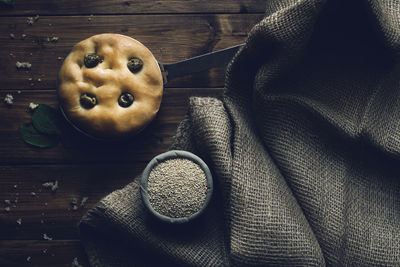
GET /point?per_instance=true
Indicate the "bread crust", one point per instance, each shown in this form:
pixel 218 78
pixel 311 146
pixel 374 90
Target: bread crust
pixel 107 81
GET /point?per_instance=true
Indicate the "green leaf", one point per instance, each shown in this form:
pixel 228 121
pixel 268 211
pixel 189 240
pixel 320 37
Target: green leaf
pixel 31 136
pixel 46 120
pixel 8 2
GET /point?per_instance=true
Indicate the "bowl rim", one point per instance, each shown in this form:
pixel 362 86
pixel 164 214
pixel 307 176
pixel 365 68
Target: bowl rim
pixel 172 154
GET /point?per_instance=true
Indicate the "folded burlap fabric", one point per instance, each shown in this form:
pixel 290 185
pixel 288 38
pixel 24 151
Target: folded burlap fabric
pixel 304 148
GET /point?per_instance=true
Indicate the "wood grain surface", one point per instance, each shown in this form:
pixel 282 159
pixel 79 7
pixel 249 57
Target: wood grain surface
pixel 167 36
pixel 172 29
pixel 74 7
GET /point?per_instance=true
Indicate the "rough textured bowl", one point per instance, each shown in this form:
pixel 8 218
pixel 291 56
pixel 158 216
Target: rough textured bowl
pixel 173 154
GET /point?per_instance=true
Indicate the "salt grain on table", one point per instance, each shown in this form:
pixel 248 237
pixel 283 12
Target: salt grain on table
pixel 177 188
pixel 52 185
pixel 74 204
pixel 31 20
pixel 33 106
pixel 75 263
pixel 9 99
pixel 53 39
pixel 46 237
pixel 83 201
pixel 23 65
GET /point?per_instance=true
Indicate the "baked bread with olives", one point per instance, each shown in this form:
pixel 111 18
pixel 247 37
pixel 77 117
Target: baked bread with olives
pixel 110 85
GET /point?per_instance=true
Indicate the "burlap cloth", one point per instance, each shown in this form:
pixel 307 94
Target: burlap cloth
pixel 304 148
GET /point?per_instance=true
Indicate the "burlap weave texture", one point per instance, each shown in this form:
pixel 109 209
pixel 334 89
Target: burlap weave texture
pixel 304 148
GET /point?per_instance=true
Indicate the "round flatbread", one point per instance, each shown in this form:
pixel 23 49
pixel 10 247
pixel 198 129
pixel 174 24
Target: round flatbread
pixel 110 85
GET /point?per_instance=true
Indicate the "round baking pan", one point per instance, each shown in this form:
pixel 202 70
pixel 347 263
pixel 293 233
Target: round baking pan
pixel 169 72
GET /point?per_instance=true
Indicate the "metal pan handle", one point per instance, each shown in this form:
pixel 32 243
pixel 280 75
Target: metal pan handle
pixel 219 58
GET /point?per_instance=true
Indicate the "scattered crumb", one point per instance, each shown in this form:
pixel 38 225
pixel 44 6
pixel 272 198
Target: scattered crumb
pixel 33 194
pixel 46 237
pixel 33 106
pixel 23 65
pixel 31 20
pixel 30 79
pixel 45 204
pixel 52 185
pixel 74 204
pixel 7 209
pixel 8 99
pixel 39 80
pixel 19 92
pixel 28 259
pixel 12 36
pixel 7 201
pixel 23 36
pixel 15 186
pixel 19 221
pixel 11 55
pixel 53 39
pixel 31 54
pixel 75 263
pixel 83 201
pixel 60 58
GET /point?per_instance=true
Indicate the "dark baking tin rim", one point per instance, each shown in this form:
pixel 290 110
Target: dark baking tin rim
pixel 78 129
pixel 171 155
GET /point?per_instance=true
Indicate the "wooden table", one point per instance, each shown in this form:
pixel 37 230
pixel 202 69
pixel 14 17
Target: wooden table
pixel 172 29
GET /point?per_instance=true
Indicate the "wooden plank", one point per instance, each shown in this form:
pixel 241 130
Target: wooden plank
pixel 155 139
pixel 171 38
pixel 75 7
pixel 52 212
pixel 41 253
